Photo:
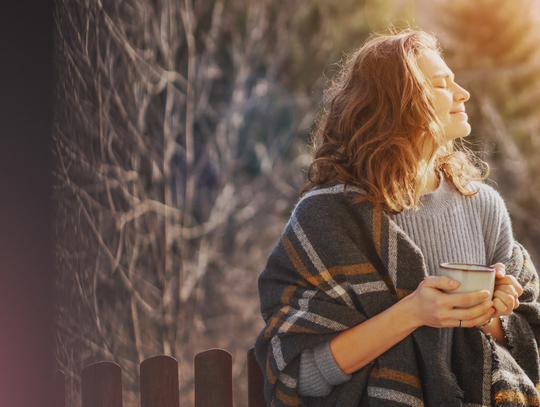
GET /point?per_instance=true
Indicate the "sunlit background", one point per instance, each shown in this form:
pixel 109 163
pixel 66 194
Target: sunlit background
pixel 180 140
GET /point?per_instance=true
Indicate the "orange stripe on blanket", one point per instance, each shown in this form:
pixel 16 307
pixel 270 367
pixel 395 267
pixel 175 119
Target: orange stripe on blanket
pixel 353 270
pixel 278 322
pixel 287 294
pixel 315 280
pixel 296 259
pixel 377 229
pixel 275 320
pixel 271 378
pixel 395 376
pixel 290 401
pixel 507 395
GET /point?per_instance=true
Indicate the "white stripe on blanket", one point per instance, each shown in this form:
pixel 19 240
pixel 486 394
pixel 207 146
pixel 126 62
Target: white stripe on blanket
pixel 278 355
pixel 304 306
pixel 337 290
pixel 372 287
pixel 316 319
pixel 308 316
pixel 394 395
pixel 336 189
pixel 288 381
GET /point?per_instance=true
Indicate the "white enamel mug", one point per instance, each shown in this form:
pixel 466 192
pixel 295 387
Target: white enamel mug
pixel 472 277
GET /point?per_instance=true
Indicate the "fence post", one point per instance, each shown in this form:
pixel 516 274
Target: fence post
pixel 102 385
pixel 255 381
pixel 213 379
pixel 159 382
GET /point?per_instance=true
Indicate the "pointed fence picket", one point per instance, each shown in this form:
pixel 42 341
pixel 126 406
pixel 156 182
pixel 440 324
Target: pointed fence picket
pixel 102 382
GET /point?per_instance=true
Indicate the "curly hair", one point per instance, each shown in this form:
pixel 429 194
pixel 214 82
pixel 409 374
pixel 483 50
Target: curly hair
pixel 379 116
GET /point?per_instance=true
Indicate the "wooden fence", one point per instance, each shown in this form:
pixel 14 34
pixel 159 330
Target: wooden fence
pixel 102 382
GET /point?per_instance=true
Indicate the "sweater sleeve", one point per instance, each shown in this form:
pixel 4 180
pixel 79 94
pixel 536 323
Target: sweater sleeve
pixel 319 372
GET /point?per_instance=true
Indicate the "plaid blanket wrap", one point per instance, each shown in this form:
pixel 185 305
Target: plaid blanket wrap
pixel 338 264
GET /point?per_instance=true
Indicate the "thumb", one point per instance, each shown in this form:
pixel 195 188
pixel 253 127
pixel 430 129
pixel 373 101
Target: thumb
pixel 443 283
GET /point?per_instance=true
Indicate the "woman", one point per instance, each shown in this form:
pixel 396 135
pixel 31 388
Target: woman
pixel 354 312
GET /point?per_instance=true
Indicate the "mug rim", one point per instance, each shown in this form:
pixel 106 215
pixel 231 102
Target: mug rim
pixel 452 266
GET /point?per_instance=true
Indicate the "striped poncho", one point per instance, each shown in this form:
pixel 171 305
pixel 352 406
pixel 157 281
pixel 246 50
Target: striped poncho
pixel 338 264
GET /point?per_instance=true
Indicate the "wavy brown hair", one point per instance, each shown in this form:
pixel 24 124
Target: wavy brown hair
pixel 378 118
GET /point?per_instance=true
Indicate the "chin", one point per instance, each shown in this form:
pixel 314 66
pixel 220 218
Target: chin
pixel 464 132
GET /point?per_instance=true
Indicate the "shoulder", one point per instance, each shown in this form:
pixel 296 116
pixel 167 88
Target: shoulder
pixel 327 201
pixel 487 197
pixel 329 204
pixel 490 205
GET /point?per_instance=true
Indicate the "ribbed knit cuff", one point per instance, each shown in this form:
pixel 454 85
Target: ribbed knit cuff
pixel 310 380
pixel 318 372
pixel 328 366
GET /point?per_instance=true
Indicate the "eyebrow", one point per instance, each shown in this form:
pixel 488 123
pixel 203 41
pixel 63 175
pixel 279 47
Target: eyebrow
pixel 443 75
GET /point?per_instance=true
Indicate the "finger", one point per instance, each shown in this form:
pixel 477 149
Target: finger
pixel 502 307
pixel 441 283
pixel 473 312
pixel 516 284
pixel 510 280
pixel 507 298
pixel 479 320
pixel 508 289
pixel 500 270
pixel 508 295
pixel 467 299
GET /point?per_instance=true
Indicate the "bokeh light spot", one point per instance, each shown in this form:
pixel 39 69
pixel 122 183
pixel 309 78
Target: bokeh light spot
pixel 380 13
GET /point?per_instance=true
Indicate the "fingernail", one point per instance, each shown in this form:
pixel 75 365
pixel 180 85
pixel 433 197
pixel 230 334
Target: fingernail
pixel 453 283
pixel 487 294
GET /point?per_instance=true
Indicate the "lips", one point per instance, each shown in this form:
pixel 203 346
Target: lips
pixel 458 111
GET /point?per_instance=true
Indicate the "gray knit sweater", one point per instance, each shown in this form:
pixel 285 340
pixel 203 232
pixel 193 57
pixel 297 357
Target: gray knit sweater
pixel 448 227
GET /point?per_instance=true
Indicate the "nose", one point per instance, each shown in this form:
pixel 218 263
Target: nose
pixel 461 95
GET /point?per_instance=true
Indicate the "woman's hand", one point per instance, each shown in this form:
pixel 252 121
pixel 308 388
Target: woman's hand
pixel 437 309
pixel 506 293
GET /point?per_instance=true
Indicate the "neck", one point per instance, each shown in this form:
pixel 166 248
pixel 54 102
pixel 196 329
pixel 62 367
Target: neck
pixel 428 181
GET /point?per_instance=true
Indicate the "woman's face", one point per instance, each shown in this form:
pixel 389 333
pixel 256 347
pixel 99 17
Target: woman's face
pixel 450 97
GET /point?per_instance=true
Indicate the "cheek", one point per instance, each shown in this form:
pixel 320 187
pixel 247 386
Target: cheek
pixel 443 107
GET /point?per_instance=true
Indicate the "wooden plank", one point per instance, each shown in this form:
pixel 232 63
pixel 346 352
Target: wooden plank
pixel 102 385
pixel 159 382
pixel 213 379
pixel 59 389
pixel 255 381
